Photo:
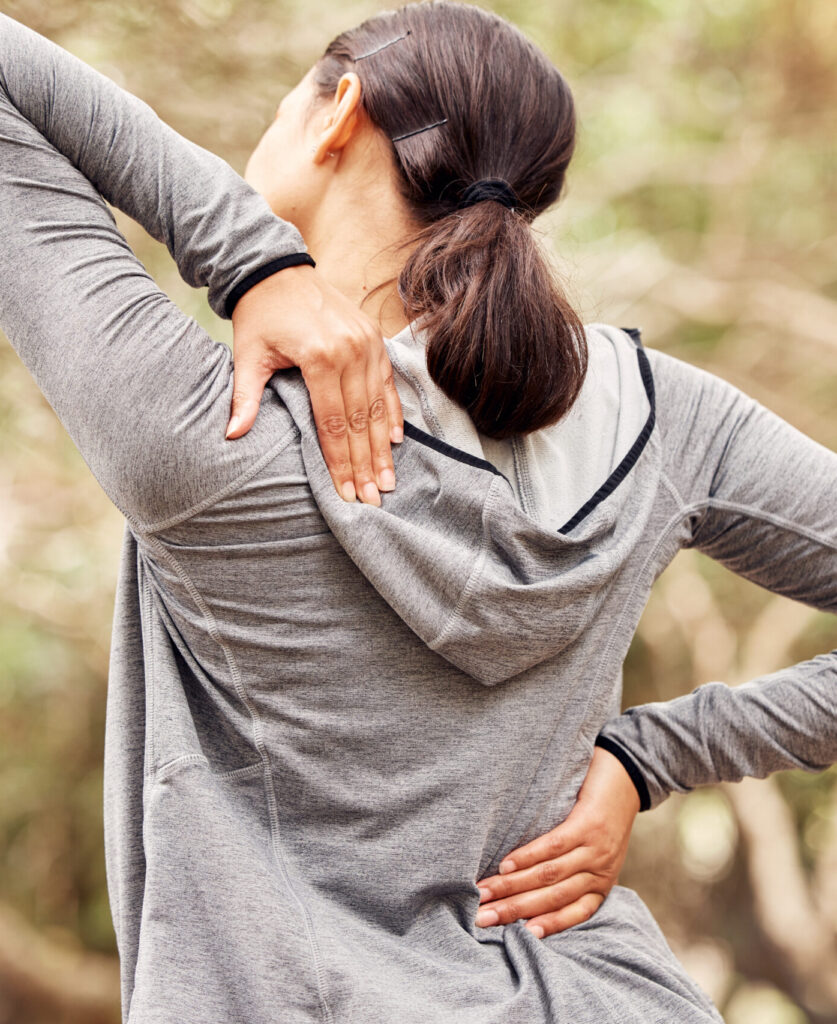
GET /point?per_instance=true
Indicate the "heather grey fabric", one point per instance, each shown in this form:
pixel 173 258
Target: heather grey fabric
pixel 326 721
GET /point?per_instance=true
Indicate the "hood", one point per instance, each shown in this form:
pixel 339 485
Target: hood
pixel 481 537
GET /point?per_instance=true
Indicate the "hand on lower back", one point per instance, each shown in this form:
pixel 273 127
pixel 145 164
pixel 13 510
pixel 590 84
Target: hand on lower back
pixel 295 318
pixel 562 878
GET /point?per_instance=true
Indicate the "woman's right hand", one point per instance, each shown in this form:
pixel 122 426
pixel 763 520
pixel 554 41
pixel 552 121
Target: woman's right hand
pixel 562 878
pixel 296 318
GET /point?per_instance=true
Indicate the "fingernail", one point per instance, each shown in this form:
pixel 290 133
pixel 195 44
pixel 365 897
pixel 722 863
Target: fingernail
pixel 507 866
pixel 535 929
pixel 484 893
pixel 486 917
pixel 233 425
pixel 396 435
pixel 348 491
pixel 370 494
pixel 386 480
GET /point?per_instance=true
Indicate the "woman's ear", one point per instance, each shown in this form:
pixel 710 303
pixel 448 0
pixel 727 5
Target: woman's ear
pixel 342 118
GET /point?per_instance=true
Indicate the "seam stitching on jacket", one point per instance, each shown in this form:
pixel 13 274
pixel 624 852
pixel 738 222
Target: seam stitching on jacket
pixel 229 488
pixel 521 472
pixel 675 493
pixel 267 770
pixel 150 702
pixel 170 768
pixel 755 513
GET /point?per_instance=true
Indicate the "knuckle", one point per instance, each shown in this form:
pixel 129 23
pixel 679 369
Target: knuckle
pixel 589 906
pixel 364 473
pixel 333 426
pixel 512 911
pixel 241 397
pixel 555 844
pixel 319 360
pixel 558 894
pixel 549 873
pixel 378 409
pixel 358 421
pixel 341 468
pixel 389 381
pixel 265 363
pixel 357 342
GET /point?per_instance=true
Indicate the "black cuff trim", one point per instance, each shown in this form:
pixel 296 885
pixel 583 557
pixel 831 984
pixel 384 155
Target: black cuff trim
pixel 295 259
pixel 630 767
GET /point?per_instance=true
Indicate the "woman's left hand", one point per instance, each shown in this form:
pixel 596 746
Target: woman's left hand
pixel 562 878
pixel 296 318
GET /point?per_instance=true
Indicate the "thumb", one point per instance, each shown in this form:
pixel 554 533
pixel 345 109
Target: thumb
pixel 249 380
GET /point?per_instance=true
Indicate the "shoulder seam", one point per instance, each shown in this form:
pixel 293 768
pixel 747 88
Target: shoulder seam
pixel 228 489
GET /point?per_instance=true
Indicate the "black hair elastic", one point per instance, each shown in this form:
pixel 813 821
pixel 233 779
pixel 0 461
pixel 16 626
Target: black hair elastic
pixel 489 188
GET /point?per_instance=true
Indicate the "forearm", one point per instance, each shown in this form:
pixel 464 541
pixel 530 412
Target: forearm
pixel 219 230
pixel 758 496
pixel 718 733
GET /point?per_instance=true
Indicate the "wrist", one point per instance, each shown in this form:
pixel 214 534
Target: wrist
pixel 294 259
pixel 630 772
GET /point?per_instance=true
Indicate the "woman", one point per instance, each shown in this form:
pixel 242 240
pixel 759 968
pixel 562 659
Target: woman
pixel 328 719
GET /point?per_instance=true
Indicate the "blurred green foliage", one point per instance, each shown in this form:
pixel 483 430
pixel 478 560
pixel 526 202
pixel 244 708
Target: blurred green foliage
pixel 700 206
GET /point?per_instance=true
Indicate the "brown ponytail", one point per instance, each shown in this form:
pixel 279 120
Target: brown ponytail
pixel 466 97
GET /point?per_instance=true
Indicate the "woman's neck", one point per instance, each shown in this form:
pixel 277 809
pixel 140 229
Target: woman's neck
pixel 358 246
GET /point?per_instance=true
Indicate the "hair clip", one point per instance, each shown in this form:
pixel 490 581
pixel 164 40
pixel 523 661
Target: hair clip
pixel 383 46
pixel 418 131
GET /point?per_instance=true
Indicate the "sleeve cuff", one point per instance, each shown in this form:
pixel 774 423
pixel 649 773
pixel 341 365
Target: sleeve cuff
pixel 630 767
pixel 294 259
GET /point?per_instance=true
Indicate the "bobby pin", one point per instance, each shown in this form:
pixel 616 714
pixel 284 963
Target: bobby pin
pixel 418 131
pixel 383 46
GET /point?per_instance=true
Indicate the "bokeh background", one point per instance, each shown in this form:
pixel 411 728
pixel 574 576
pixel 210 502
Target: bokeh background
pixel 701 207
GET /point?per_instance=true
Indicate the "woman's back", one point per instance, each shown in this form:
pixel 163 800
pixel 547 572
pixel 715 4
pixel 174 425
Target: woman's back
pixel 328 785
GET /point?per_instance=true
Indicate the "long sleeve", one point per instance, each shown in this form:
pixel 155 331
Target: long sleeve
pixel 760 497
pixel 218 229
pixel 143 391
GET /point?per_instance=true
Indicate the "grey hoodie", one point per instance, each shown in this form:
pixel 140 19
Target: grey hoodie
pixel 326 721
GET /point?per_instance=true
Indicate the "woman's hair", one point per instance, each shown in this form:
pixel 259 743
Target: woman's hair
pixel 503 341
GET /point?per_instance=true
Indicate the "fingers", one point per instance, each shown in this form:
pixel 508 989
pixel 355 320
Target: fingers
pixel 332 427
pixel 360 422
pixel 379 429
pixel 395 414
pixel 557 841
pixel 546 873
pixel 249 379
pixel 574 913
pixel 351 413
pixel 538 901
